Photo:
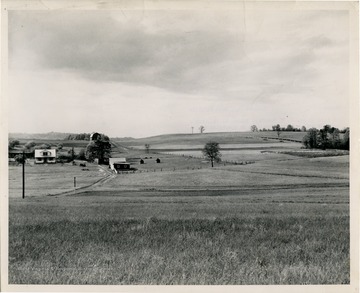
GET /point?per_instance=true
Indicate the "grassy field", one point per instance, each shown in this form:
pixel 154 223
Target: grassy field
pixel 220 137
pixel 229 237
pixel 51 179
pixel 276 218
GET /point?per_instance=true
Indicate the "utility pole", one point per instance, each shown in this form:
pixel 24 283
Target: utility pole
pixel 23 174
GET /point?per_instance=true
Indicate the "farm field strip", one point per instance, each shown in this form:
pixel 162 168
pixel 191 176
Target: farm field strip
pixel 181 204
pixel 242 146
pixel 292 172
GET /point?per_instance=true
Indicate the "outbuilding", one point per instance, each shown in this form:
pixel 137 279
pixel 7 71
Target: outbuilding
pixel 119 164
pixel 45 156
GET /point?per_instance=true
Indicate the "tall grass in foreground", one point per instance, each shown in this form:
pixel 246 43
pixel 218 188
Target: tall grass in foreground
pixel 261 250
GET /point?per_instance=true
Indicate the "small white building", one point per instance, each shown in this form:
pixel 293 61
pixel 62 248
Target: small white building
pixel 45 156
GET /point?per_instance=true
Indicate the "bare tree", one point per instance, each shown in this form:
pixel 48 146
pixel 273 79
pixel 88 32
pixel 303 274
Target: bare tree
pixel 254 128
pixel 202 129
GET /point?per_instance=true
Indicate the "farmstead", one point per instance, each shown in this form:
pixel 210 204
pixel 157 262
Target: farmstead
pixel 45 156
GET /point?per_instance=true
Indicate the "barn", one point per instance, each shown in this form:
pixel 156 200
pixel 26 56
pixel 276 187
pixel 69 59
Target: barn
pixel 118 164
pixel 45 156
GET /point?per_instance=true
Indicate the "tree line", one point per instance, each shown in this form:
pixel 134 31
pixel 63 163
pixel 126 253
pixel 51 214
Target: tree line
pixel 84 136
pixel 278 128
pixel 327 138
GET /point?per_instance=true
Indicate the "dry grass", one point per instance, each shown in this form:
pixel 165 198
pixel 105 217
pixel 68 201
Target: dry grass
pixel 181 238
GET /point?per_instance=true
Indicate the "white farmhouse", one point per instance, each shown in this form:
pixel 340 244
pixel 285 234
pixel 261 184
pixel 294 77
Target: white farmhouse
pixel 45 156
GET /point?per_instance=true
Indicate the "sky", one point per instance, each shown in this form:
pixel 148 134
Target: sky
pixel 143 73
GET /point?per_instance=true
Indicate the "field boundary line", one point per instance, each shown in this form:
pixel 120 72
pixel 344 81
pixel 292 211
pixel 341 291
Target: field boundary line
pixel 282 174
pixel 144 188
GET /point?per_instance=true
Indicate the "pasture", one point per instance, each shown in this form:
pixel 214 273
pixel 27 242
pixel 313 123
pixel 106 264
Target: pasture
pixel 281 219
pixel 46 179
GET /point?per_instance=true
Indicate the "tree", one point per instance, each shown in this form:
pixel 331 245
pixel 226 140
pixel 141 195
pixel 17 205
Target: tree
pixel 71 152
pixel 43 146
pixel 30 145
pixel 254 128
pixel 277 129
pixel 335 140
pixel 289 128
pixel 97 149
pixel 13 143
pixel 20 159
pixel 81 155
pixel 346 139
pixel 202 129
pixel 303 128
pixel 323 136
pixel 310 140
pixel 212 151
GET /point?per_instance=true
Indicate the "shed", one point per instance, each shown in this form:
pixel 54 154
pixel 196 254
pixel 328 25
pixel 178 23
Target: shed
pixel 118 164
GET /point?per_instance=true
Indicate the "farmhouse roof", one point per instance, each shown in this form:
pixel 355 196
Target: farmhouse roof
pixel 117 160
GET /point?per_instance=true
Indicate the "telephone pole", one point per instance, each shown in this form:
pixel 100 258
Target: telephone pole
pixel 23 174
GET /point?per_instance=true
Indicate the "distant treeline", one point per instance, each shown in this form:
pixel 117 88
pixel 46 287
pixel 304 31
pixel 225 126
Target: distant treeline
pixel 287 128
pixel 84 136
pixel 79 136
pixel 327 138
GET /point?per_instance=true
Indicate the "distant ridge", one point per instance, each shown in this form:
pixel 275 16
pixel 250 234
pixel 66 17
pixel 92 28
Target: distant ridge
pixel 48 135
pixel 51 136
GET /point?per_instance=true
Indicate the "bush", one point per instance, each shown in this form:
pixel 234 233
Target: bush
pixel 81 155
pixel 64 158
pixel 13 143
pixel 30 145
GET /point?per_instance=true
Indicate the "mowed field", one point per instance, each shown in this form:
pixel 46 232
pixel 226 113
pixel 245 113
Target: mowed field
pixel 53 179
pixel 279 220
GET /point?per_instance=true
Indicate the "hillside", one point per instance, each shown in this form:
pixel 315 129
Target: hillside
pixel 220 137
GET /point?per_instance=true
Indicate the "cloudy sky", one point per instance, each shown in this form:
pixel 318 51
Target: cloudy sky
pixel 143 73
